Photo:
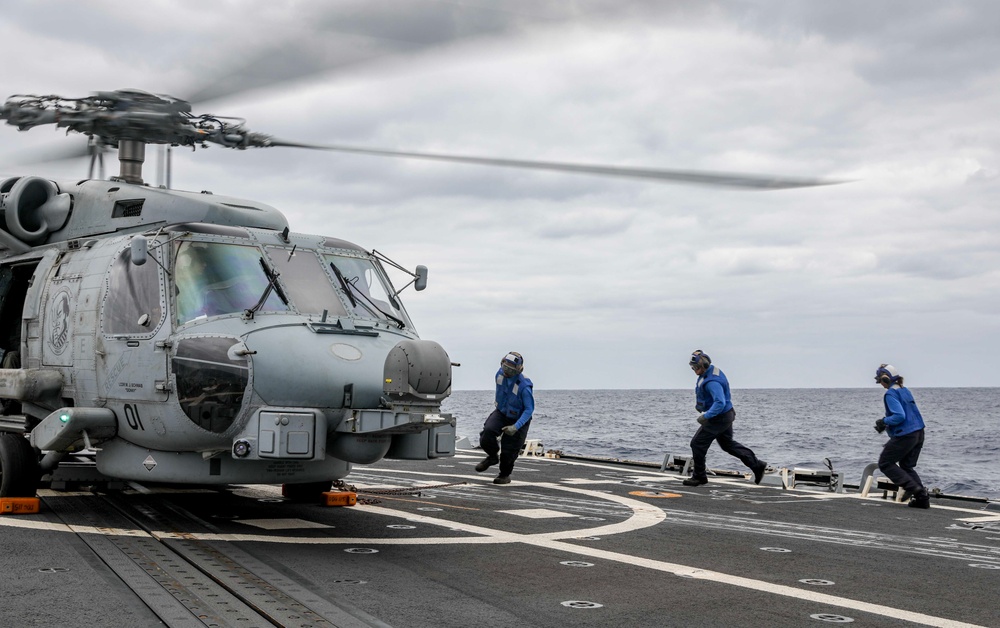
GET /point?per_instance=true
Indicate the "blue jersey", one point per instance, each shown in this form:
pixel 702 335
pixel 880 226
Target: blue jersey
pixel 712 393
pixel 514 398
pixel 901 414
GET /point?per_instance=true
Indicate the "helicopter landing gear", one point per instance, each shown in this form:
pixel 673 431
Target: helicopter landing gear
pixel 19 473
pixel 308 492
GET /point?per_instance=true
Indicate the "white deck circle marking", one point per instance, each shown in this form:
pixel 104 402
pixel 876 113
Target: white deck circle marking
pixel 582 604
pixel 817 582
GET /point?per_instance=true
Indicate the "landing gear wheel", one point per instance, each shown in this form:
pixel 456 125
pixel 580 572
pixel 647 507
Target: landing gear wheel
pixel 19 473
pixel 308 492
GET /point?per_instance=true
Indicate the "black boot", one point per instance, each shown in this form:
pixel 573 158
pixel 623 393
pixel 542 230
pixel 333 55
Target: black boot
pixel 920 499
pixel 695 481
pixel 758 471
pixel 487 462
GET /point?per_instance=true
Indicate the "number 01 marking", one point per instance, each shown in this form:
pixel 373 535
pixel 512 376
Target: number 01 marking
pixel 132 417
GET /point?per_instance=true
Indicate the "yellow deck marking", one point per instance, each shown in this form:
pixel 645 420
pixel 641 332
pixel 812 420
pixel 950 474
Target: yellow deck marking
pixel 657 494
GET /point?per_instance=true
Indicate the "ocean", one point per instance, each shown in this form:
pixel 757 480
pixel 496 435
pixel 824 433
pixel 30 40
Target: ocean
pixel 786 427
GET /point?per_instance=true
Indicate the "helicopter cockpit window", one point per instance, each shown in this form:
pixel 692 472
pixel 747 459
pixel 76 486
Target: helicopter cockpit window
pixel 133 305
pixel 370 290
pixel 210 384
pixel 308 285
pixel 211 279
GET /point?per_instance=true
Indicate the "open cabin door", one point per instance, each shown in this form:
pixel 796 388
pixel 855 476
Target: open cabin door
pixel 14 282
pixel 15 279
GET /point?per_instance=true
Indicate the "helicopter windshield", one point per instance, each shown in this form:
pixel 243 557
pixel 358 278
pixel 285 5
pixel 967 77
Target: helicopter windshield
pixel 369 290
pixel 211 279
pixel 307 283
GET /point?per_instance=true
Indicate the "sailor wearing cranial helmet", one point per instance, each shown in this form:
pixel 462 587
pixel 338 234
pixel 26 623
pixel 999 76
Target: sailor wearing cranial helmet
pixel 905 427
pixel 509 422
pixel 714 402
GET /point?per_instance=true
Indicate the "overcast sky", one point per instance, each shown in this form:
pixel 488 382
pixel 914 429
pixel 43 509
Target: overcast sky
pixel 600 282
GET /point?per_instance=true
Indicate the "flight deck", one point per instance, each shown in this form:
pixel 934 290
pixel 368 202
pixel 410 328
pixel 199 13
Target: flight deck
pixel 568 542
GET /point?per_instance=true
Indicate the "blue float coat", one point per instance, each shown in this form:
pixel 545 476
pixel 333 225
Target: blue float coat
pixel 901 413
pixel 514 398
pixel 712 393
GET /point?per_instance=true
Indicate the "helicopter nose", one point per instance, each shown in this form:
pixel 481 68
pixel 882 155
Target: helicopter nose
pixel 417 371
pixel 299 367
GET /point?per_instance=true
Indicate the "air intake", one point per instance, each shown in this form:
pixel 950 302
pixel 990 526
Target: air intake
pixel 127 209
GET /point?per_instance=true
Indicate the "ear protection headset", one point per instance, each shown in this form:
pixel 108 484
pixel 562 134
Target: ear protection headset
pixel 700 359
pixel 886 374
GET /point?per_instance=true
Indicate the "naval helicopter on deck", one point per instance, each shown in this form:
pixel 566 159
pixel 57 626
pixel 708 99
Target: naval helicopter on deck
pixel 185 337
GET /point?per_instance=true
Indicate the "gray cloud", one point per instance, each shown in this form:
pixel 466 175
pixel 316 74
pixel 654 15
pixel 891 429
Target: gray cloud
pixel 900 98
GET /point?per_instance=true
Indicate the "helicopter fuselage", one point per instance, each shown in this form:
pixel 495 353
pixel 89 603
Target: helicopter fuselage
pixel 191 338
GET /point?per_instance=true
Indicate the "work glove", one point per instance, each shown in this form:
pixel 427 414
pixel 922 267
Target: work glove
pixel 880 426
pixel 701 419
pixel 509 430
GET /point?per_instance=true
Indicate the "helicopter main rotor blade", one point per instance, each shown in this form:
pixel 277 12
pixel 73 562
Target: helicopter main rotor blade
pixel 51 155
pixel 721 179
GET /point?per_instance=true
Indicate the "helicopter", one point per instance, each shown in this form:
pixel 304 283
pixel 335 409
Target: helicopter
pixel 192 338
pixel 189 337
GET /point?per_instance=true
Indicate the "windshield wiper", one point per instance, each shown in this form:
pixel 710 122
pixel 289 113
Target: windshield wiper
pixel 352 292
pixel 272 284
pixel 343 284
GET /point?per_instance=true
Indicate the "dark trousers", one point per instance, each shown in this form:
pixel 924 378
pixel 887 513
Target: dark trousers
pixel 509 446
pixel 904 450
pixel 720 429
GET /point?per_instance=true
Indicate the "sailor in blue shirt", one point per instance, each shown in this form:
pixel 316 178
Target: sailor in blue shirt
pixel 713 401
pixel 905 427
pixel 510 421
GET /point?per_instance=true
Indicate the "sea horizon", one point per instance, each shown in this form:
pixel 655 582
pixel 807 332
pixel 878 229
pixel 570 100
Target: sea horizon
pixel 787 427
